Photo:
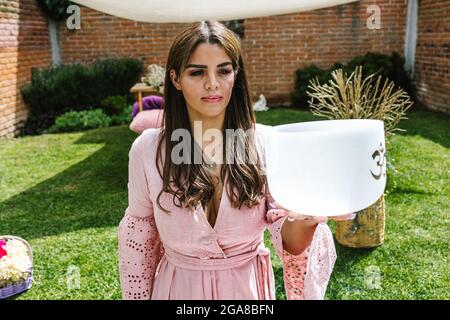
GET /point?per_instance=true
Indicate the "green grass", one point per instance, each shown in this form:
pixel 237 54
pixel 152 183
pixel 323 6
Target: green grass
pixel 66 194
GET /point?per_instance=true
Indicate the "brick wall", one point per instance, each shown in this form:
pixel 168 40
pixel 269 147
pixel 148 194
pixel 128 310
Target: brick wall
pixel 277 46
pixel 273 47
pixel 24 44
pixel 432 69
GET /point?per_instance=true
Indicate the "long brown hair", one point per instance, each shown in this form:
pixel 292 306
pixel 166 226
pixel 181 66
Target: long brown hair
pixel 193 182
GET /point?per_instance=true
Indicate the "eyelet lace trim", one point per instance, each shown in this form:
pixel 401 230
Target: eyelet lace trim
pixel 306 275
pixel 140 251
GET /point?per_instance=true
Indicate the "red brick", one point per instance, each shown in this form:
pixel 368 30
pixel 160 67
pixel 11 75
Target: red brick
pixel 273 47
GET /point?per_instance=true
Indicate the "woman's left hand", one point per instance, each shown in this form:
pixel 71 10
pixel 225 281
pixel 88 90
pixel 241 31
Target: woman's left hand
pixel 298 216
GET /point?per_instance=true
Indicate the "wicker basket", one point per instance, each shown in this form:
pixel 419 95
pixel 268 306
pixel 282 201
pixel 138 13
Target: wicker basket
pixel 16 288
pixel 366 230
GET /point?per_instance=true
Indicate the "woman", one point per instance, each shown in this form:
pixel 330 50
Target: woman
pixel 194 229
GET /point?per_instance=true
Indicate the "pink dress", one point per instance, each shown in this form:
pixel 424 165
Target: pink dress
pixel 180 256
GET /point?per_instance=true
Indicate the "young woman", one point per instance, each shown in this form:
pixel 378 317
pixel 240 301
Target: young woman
pixel 194 229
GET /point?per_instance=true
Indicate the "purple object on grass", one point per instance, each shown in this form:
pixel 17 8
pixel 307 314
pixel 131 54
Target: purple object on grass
pixel 148 103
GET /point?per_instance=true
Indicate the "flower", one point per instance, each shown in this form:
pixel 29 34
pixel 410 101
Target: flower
pixel 2 251
pixel 14 266
pixel 155 76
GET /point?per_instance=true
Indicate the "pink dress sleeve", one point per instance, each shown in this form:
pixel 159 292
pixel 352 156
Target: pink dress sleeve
pixel 140 248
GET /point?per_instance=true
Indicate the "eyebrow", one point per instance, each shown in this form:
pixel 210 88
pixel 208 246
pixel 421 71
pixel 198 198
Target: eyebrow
pixel 205 67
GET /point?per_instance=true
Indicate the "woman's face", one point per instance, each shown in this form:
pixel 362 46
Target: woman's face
pixel 209 72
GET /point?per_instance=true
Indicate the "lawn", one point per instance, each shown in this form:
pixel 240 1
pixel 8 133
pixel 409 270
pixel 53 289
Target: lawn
pixel 66 193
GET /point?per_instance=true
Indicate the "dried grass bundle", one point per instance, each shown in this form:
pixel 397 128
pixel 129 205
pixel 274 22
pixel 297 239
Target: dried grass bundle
pixel 352 97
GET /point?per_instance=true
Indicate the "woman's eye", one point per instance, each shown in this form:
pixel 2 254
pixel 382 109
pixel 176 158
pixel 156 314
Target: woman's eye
pixel 200 72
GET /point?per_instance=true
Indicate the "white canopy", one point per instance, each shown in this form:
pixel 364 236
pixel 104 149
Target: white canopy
pixel 182 11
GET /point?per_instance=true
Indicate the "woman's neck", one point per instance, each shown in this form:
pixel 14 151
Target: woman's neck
pixel 204 130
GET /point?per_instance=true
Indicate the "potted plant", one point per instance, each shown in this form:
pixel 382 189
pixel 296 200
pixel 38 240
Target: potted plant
pixel 352 97
pixel 56 11
pixel 154 77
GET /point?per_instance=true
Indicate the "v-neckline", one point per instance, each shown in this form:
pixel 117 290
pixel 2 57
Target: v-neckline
pixel 219 213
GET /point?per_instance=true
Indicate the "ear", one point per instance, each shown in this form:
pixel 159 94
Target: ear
pixel 173 77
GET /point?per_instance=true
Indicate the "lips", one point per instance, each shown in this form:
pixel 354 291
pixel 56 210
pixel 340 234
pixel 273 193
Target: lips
pixel 212 99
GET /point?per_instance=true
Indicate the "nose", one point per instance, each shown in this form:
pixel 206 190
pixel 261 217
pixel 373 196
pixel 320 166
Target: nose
pixel 211 82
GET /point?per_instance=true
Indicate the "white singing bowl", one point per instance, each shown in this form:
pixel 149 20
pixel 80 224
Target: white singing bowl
pixel 326 168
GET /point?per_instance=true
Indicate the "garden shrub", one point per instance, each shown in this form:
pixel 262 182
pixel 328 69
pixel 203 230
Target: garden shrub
pixel 75 87
pixel 124 117
pixel 80 120
pixel 388 66
pixel 114 105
